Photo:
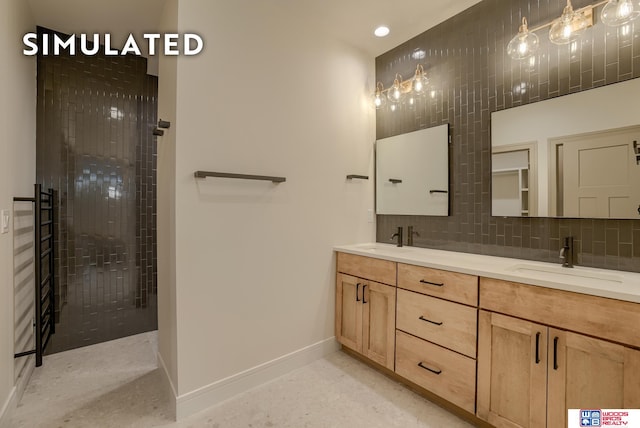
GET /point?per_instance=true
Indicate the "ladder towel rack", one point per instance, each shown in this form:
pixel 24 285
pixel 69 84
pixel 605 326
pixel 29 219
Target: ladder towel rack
pixel 44 282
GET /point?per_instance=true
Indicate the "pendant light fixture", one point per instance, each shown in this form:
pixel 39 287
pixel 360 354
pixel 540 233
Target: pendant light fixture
pixel 379 99
pixel 420 82
pixel 569 26
pixel 524 44
pixel 396 93
pixel 407 92
pixel 620 12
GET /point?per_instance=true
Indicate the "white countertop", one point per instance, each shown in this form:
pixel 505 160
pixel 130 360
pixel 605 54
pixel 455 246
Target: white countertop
pixel 613 284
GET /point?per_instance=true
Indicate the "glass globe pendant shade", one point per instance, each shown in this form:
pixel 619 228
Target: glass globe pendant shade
pixel 420 82
pixel 379 100
pixel 568 27
pixel 619 12
pixel 524 44
pixel 395 94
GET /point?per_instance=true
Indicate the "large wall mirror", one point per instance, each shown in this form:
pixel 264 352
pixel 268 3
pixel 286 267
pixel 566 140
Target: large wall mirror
pixel 412 173
pixel 573 156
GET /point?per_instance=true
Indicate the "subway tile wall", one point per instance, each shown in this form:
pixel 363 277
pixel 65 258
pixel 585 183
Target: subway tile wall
pixel 472 76
pixel 96 149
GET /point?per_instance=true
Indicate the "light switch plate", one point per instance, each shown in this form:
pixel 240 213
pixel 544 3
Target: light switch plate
pixel 4 221
pixel 370 215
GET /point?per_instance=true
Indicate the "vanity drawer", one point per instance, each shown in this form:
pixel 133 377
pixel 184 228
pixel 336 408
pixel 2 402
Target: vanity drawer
pixel 457 287
pixel 367 267
pixel 609 319
pixel 451 325
pixel 453 377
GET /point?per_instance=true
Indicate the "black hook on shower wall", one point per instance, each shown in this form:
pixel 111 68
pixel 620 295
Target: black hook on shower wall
pixel 158 132
pixel 164 124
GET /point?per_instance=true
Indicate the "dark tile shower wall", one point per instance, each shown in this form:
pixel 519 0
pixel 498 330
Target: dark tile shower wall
pixel 466 59
pixel 95 147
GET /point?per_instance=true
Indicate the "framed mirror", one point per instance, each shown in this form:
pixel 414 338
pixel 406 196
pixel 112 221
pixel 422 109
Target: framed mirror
pixel 574 156
pixel 412 173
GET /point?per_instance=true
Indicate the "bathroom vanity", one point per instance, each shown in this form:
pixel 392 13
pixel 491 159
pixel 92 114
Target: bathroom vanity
pixel 507 342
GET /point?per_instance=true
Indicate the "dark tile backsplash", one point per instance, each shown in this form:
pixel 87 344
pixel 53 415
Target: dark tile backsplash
pixel 472 76
pixel 96 149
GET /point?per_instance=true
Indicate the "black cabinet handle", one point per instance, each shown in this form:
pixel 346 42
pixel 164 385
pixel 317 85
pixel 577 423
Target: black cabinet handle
pixel 538 348
pixel 437 284
pixel 555 353
pixel 363 288
pixel 395 180
pixel 357 292
pixel 427 320
pixel 427 368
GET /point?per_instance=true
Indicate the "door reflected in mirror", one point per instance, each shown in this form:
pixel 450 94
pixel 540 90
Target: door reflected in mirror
pixel 574 156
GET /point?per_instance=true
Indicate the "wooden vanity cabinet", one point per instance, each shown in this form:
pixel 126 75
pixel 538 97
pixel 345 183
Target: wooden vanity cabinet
pixel 532 369
pixel 366 308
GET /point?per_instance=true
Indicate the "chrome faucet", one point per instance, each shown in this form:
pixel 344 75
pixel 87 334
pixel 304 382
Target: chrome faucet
pixel 398 234
pixel 410 233
pixel 566 252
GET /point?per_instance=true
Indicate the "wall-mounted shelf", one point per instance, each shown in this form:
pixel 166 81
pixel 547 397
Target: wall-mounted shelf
pixel 360 177
pixel 205 174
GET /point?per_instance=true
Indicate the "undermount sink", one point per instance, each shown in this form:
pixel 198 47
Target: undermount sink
pixel 387 248
pixel 575 272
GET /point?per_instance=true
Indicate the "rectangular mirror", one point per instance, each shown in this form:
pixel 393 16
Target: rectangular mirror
pixel 573 156
pixel 412 173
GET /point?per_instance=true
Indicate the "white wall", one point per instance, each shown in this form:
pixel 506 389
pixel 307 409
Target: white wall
pixel 17 163
pixel 167 322
pixel 272 94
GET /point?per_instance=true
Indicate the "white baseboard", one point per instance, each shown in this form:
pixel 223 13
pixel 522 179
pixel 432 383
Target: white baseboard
pixel 214 393
pixel 23 380
pixel 170 390
pixel 7 409
pixel 6 412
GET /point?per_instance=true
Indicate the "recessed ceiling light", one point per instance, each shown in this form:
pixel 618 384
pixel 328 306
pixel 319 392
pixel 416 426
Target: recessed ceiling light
pixel 381 31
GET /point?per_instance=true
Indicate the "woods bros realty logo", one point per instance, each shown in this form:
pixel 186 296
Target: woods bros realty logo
pixel 54 44
pixel 604 418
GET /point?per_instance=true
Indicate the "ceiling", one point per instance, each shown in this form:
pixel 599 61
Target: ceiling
pixel 351 20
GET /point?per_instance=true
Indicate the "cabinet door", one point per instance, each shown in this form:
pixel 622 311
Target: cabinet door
pixel 588 373
pixel 512 371
pixel 349 291
pixel 379 318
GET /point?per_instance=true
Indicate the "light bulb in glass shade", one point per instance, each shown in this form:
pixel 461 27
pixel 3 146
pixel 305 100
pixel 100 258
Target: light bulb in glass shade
pixel 524 44
pixel 619 12
pixel 568 27
pixel 379 100
pixel 420 83
pixel 395 93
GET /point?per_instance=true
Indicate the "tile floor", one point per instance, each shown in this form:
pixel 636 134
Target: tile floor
pixel 117 384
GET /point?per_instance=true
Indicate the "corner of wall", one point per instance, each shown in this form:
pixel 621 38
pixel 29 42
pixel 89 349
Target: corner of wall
pixel 166 225
pixel 17 169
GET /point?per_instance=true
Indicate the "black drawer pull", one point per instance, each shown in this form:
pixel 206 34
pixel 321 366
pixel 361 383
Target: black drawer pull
pixel 427 368
pixel 538 348
pixel 357 292
pixel 363 288
pixel 555 353
pixel 437 284
pixel 427 320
